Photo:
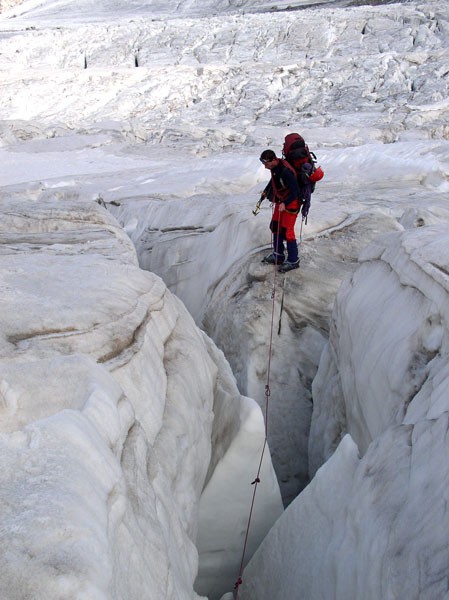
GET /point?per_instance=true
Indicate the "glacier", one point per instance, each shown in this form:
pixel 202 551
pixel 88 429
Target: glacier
pixel 136 312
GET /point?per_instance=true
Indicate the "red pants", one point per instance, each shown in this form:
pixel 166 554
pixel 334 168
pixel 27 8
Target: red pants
pixel 286 220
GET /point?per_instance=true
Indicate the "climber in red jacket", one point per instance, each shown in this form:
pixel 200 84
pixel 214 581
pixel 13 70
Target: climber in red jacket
pixel 286 197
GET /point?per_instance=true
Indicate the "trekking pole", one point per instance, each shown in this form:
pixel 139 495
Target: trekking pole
pixel 300 231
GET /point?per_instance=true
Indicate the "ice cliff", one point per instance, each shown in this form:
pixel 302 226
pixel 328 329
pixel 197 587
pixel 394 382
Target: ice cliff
pixel 121 423
pixel 373 523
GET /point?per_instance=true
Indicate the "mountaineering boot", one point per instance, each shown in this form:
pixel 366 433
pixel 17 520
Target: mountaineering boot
pixel 273 259
pixel 277 256
pixel 292 251
pixel 289 266
pixel 292 261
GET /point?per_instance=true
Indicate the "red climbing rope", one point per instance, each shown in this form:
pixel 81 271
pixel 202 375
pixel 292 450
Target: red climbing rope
pixel 267 396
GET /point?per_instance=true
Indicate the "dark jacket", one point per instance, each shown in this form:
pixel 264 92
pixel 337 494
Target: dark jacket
pixel 284 183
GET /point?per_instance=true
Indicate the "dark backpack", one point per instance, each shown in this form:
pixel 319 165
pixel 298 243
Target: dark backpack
pixel 297 153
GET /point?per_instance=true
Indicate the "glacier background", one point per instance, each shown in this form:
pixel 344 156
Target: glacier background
pixel 125 437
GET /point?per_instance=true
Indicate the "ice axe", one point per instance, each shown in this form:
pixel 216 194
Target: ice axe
pixel 258 205
pixel 265 194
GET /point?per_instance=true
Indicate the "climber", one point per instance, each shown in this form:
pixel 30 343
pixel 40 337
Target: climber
pixel 285 194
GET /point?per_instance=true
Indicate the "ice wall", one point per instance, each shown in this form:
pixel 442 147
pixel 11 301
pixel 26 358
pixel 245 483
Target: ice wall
pixel 115 411
pixel 373 522
pixel 388 340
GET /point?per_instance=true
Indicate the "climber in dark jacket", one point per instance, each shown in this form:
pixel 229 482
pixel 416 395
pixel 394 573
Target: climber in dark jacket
pixel 285 194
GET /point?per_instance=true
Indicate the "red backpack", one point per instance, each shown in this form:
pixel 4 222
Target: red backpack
pixel 297 153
